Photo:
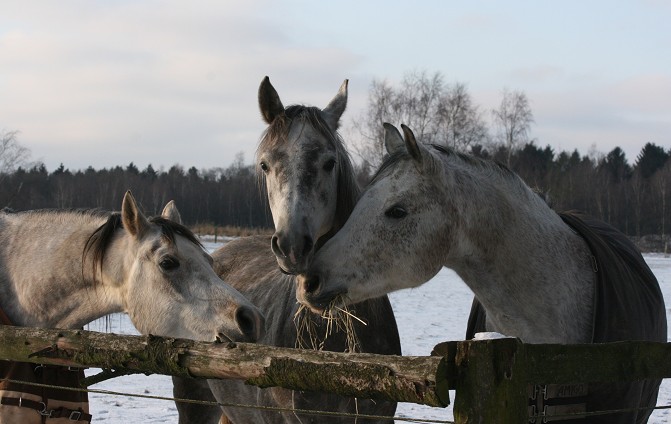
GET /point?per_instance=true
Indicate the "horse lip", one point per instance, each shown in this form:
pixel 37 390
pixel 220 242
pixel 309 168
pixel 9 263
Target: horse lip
pixel 314 307
pixel 284 271
pixel 293 270
pixel 222 338
pixel 318 304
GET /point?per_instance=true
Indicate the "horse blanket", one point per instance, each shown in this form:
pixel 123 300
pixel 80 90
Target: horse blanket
pixel 628 305
pixel 29 404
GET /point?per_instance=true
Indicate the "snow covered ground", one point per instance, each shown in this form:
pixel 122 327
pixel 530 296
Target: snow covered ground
pixel 432 313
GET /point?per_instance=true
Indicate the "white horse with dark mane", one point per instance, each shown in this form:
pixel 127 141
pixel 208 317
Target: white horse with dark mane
pixel 540 276
pixel 64 269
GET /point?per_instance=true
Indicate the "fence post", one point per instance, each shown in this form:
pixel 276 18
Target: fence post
pixel 491 386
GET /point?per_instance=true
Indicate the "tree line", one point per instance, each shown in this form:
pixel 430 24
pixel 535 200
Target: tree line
pixel 222 197
pixel 634 197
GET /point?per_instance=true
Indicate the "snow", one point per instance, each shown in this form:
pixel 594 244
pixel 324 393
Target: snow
pixel 434 312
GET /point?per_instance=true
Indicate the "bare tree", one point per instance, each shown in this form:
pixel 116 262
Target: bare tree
pixel 12 154
pixel 436 112
pixel 370 147
pixel 513 120
pixel 461 123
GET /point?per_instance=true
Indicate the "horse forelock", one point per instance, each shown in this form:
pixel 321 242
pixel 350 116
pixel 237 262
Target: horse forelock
pixel 277 134
pixel 171 228
pixel 99 241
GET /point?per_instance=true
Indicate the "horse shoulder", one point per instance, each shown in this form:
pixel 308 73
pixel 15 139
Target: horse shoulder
pixel 247 258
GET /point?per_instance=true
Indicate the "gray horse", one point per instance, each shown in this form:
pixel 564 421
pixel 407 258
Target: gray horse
pixel 540 276
pixel 312 190
pixel 63 269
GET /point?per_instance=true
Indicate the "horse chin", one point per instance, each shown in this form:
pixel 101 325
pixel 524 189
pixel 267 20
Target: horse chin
pixel 315 309
pixel 318 312
pixel 321 303
pixel 284 271
pixel 223 338
pixel 290 268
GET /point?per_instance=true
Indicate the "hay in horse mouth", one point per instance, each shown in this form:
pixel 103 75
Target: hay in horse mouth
pixel 339 317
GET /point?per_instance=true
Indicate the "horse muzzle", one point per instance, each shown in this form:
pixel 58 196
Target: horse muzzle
pixel 293 255
pixel 250 326
pixel 309 292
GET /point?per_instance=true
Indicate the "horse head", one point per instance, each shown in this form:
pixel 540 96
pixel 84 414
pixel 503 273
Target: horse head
pixel 169 287
pixel 307 173
pixel 392 238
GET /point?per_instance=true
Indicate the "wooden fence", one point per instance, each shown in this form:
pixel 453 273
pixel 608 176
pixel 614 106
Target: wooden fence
pixel 491 377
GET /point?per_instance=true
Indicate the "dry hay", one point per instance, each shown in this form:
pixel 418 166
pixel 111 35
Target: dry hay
pixel 339 318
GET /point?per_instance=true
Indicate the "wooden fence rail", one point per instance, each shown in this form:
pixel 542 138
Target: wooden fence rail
pixel 490 377
pixel 399 378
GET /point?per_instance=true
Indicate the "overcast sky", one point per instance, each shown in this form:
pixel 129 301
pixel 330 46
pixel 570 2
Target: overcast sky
pixel 106 83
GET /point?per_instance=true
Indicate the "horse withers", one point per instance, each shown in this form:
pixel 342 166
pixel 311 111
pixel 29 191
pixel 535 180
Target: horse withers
pixel 64 269
pixel 532 270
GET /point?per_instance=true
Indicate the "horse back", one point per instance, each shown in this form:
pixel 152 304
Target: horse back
pixel 247 262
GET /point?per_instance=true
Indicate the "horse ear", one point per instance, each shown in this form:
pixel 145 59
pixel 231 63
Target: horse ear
pixel 411 143
pixel 132 219
pixel 170 212
pixel 269 102
pixel 393 141
pixel 336 107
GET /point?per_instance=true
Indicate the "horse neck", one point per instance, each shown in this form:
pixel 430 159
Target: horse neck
pixel 51 289
pixel 529 270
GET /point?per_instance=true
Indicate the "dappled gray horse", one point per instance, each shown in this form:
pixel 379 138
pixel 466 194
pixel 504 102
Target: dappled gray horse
pixel 311 189
pixel 542 277
pixel 63 269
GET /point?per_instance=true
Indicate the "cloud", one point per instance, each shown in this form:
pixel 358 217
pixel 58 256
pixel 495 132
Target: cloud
pixel 540 73
pixel 627 113
pixel 107 83
pixel 150 82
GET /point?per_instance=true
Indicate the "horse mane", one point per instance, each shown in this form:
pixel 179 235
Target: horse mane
pixel 100 240
pixel 277 133
pixel 488 166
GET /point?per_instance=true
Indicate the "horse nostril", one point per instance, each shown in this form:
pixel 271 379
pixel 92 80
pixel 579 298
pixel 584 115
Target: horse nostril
pixel 275 246
pixel 250 323
pixel 312 284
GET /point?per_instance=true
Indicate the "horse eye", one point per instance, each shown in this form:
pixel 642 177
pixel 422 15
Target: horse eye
pixel 264 166
pixel 168 263
pixel 329 165
pixel 396 212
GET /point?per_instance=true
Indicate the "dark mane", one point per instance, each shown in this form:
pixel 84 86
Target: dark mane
pixel 488 165
pixel 100 240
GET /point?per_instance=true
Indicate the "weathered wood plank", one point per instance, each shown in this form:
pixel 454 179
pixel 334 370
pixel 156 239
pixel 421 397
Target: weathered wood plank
pixel 398 378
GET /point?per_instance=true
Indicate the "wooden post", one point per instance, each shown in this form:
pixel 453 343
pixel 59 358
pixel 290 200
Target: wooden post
pixel 491 384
